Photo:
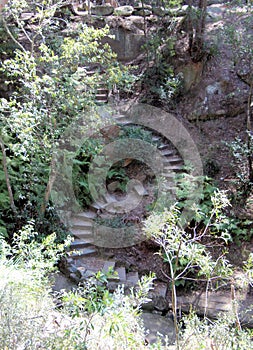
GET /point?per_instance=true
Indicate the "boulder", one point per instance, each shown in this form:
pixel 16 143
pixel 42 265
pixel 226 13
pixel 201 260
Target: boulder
pixel 157 296
pixel 215 12
pixel 142 12
pixel 160 11
pixel 141 6
pixel 124 11
pixel 178 11
pixel 102 10
pixel 158 327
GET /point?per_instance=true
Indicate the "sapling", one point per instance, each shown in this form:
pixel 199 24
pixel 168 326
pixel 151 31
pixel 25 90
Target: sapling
pixel 182 248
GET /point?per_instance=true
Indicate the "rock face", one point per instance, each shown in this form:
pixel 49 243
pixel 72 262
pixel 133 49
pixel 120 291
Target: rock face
pixel 102 10
pixel 158 324
pixel 124 11
pixel 218 302
pixel 127 44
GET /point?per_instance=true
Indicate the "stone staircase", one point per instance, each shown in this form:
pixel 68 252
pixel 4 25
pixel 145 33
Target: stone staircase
pixel 102 92
pixel 85 258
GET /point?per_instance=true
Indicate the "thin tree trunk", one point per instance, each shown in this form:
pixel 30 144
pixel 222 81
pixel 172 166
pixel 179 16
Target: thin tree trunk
pixel 250 136
pixel 174 310
pixel 50 183
pixel 190 27
pixel 7 179
pixel 196 44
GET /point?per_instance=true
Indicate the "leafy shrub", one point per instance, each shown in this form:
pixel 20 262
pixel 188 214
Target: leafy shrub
pixel 219 334
pixel 89 318
pixel 136 132
pixel 184 251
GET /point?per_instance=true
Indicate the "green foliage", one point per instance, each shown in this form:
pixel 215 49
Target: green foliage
pixel 51 88
pixel 114 222
pixel 184 251
pixel 81 164
pixel 92 297
pixel 237 230
pixel 7 46
pixel 90 149
pixel 240 151
pixel 248 269
pixel 136 132
pixel 117 173
pixel 159 80
pixel 219 334
pixel 89 318
pixel 31 254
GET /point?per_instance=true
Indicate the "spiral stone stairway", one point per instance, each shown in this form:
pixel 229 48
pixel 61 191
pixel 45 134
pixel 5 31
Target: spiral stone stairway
pixel 85 258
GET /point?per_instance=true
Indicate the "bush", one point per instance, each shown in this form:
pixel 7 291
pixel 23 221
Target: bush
pixel 89 318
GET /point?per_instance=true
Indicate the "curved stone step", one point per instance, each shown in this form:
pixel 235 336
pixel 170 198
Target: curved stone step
pixel 78 243
pixel 82 233
pixel 172 160
pixel 163 146
pixel 175 168
pixel 124 121
pixel 167 152
pixel 81 222
pixel 89 214
pixel 83 252
pixel 156 138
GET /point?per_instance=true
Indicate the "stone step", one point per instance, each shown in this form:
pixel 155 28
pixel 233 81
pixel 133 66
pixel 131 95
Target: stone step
pixel 104 201
pixel 175 168
pixel 132 278
pixel 156 138
pixel 170 174
pixel 101 97
pixel 140 190
pixel 119 116
pixel 107 265
pixel 102 91
pixel 81 222
pixel 81 243
pixel 125 122
pixel 86 214
pixel 168 186
pixel 90 72
pixel 167 152
pixel 82 233
pixel 82 226
pixel 121 273
pixel 86 251
pixel 99 205
pixel 172 160
pixel 163 146
pixel 108 198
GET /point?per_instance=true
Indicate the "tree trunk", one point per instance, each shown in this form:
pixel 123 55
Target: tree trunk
pixel 250 136
pixel 196 40
pixel 7 179
pixel 50 183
